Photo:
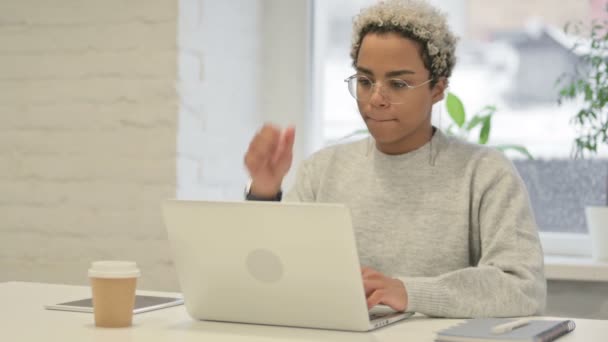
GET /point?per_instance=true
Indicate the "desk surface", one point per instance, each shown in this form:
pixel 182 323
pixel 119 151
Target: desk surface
pixel 23 318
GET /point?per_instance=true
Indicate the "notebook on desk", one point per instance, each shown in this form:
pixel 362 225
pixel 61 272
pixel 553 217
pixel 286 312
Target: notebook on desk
pixel 489 330
pixel 289 264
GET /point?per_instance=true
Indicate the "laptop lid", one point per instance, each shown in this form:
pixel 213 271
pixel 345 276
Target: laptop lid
pixel 291 264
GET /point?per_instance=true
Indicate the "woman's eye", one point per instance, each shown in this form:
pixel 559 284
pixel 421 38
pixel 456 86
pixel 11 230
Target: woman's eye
pixel 362 81
pixel 398 84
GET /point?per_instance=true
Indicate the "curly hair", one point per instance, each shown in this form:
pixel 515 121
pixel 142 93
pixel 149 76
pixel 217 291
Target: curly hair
pixel 413 19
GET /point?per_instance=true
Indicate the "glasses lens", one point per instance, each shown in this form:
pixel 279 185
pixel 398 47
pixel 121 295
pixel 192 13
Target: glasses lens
pixel 360 87
pixel 352 87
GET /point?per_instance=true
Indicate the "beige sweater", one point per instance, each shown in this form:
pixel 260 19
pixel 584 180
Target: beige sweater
pixel 452 220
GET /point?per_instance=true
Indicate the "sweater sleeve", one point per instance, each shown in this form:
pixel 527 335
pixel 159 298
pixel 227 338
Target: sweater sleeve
pixel 507 279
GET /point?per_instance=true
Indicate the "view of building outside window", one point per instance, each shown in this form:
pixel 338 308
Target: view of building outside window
pixel 510 55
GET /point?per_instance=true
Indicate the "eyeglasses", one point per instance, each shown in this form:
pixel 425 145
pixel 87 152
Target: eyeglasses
pixel 394 91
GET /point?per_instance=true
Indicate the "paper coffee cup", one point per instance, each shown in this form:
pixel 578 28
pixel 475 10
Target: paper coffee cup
pixel 113 284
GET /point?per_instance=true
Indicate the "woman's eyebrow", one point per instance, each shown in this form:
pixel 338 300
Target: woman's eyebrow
pixel 399 73
pixel 388 74
pixel 364 71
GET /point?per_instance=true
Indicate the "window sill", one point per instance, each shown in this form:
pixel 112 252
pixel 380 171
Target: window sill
pixel 575 268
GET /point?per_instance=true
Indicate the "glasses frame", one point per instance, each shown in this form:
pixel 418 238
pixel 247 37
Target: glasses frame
pixel 374 84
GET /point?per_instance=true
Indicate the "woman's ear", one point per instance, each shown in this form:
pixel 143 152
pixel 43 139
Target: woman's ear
pixel 438 90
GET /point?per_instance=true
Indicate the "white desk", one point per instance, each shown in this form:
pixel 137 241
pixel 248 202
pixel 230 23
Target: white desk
pixel 23 318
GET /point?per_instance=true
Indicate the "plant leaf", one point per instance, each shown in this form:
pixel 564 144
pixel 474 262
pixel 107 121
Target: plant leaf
pixel 488 110
pixel 455 109
pixel 484 134
pixel 475 121
pixel 517 148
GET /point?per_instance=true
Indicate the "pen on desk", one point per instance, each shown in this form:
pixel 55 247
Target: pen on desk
pixel 506 327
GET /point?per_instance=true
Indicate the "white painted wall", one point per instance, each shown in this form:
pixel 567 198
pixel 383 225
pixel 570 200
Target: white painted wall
pixel 285 89
pixel 242 63
pixel 218 74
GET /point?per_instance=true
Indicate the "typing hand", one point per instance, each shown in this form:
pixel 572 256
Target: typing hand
pixel 380 289
pixel 268 159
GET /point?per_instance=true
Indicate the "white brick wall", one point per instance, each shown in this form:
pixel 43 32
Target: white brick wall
pixel 93 135
pixel 88 120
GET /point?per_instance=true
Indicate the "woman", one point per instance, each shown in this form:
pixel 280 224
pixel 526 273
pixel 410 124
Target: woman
pixel 443 227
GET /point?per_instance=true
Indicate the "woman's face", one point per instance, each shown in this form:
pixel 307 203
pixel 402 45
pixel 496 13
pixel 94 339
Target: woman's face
pixel 399 118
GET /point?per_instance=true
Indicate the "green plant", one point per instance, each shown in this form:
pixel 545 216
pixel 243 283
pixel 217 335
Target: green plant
pixel 589 83
pixel 465 128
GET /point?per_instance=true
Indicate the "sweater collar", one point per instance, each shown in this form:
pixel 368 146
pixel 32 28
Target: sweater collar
pixel 429 150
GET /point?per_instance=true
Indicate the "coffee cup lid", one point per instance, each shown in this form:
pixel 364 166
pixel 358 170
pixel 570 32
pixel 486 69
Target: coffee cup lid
pixel 114 269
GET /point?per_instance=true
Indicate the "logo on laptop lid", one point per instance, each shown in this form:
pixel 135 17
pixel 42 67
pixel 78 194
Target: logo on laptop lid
pixel 265 266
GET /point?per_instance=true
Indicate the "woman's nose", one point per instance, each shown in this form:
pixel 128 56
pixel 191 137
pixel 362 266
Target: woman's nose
pixel 378 97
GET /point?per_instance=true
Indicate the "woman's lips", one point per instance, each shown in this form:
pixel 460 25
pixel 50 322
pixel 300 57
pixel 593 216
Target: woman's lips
pixel 379 120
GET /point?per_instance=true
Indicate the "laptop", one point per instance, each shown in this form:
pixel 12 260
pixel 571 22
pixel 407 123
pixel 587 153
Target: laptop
pixel 273 263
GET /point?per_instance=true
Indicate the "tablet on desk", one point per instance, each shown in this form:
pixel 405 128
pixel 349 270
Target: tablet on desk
pixel 142 304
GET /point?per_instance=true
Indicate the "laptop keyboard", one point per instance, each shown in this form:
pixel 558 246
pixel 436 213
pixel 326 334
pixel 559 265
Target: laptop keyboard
pixel 373 316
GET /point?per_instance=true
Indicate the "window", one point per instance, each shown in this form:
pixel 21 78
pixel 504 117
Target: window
pixel 503 57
